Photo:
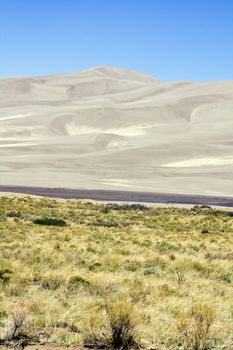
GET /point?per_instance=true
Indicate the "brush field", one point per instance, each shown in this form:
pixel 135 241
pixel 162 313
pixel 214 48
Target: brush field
pixel 66 267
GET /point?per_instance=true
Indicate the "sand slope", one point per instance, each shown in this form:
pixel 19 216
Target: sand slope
pixel 110 128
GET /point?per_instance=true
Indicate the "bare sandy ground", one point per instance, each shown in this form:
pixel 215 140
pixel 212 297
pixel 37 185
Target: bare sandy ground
pixel 110 128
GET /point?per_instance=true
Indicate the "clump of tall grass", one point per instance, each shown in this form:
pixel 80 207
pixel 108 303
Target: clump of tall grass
pixel 48 281
pixel 195 327
pixel 120 327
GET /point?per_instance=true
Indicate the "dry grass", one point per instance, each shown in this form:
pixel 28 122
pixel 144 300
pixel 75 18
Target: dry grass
pixel 119 328
pixel 163 261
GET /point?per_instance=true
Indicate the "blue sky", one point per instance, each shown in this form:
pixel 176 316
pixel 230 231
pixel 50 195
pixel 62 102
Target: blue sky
pixel 169 39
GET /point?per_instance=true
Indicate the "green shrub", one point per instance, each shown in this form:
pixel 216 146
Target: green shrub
pixel 5 274
pixel 95 266
pixel 50 221
pixel 149 271
pixel 107 223
pixel 204 230
pixel 13 214
pixel 78 281
pixel 132 207
pixel 166 246
pixel 131 265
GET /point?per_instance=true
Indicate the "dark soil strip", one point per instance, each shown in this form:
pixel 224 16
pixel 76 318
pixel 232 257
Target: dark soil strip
pixel 124 196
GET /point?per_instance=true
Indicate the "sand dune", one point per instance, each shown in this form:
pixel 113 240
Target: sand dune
pixel 111 128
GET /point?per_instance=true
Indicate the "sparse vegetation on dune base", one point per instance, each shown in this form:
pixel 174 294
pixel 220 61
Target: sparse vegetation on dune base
pixel 115 277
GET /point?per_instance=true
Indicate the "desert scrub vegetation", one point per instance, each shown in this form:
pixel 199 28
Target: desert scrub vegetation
pixel 119 275
pixel 49 221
